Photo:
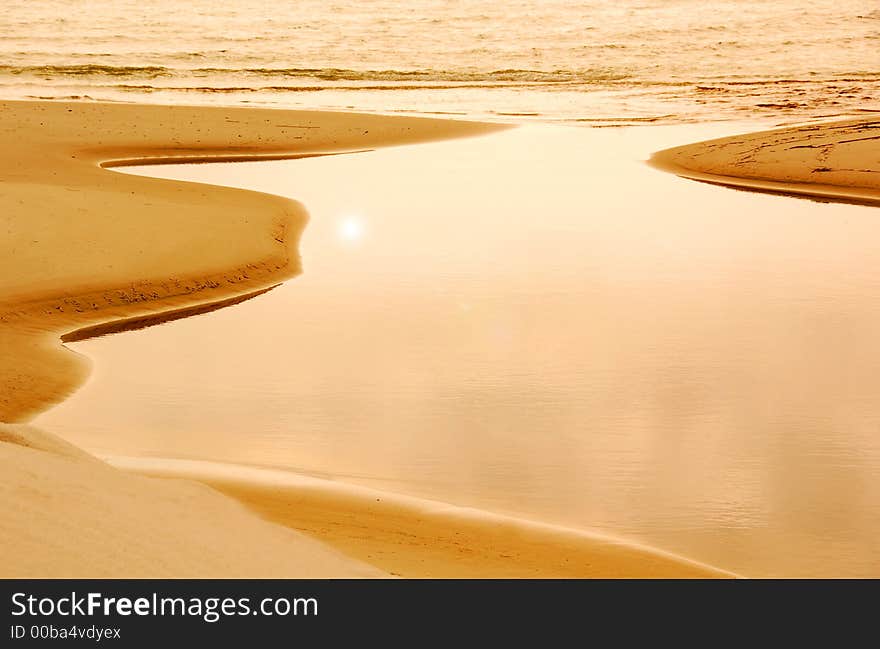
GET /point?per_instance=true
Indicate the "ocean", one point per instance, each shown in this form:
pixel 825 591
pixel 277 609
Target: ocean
pixel 593 62
pixel 534 322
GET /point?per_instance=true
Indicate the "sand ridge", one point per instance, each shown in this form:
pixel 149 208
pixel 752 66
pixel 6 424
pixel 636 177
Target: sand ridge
pixel 837 160
pixel 66 514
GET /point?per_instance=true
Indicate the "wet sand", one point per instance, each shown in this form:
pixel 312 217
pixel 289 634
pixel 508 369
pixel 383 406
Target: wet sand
pixel 87 246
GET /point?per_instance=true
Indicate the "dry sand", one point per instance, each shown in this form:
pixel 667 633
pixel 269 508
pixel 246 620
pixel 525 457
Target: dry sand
pixel 65 514
pixel 833 160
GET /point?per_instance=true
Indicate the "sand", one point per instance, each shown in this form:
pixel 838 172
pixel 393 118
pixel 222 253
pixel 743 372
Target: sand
pixel 418 538
pixel 832 160
pixel 85 246
pixel 89 251
pixel 65 514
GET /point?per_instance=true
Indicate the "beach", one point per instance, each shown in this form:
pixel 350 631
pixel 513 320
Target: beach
pixel 67 515
pixel 833 161
pixel 140 247
pixel 59 163
pixel 92 251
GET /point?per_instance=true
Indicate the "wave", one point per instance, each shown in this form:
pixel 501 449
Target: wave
pixel 313 88
pixel 250 79
pixel 87 69
pixel 323 74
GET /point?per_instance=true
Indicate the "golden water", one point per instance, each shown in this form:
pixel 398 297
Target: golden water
pixel 536 322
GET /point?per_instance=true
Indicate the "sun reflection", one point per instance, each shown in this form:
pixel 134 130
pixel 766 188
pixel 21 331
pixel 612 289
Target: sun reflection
pixel 351 228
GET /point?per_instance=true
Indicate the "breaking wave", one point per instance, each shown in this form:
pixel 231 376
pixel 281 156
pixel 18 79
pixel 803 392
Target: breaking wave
pixel 323 74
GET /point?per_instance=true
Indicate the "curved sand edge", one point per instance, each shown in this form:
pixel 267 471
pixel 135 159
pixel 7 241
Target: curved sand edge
pixel 419 538
pixel 68 515
pixel 85 246
pixel 86 249
pixel 834 161
pixel 139 247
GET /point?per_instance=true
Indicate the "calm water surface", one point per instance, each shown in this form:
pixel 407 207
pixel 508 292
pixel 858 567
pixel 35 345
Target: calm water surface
pixel 536 322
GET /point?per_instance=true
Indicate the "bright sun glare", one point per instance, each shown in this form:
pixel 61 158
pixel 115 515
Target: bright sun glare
pixel 351 228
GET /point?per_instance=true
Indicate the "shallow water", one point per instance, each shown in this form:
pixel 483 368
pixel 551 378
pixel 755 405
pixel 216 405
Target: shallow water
pixel 555 59
pixel 536 322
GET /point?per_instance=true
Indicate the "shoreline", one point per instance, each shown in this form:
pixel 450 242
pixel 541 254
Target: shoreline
pixel 107 270
pixel 833 161
pixel 39 313
pixel 415 537
pixel 402 535
pixel 68 515
pixel 89 249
